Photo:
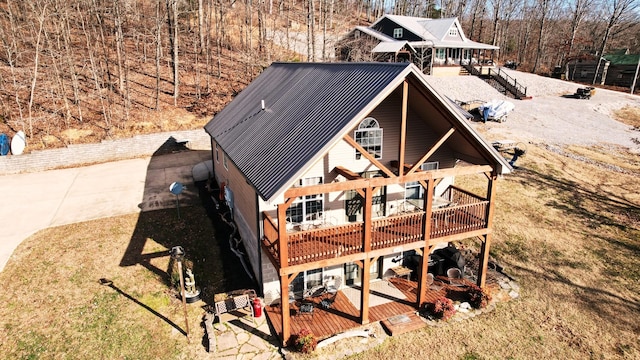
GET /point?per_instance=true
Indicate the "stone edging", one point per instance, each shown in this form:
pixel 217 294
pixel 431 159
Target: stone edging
pixel 105 151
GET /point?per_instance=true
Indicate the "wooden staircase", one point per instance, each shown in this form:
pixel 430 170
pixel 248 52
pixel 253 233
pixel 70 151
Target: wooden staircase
pixel 501 81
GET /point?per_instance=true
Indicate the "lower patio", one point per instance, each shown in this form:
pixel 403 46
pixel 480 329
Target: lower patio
pixel 343 314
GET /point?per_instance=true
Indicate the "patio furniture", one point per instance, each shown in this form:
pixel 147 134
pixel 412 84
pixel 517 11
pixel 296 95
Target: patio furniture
pixel 455 277
pixel 305 309
pixel 233 304
pixel 401 271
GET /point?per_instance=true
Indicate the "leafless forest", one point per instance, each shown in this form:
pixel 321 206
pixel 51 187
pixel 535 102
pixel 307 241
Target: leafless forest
pixel 85 70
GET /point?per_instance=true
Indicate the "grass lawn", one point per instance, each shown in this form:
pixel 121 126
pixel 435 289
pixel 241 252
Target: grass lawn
pixel 567 227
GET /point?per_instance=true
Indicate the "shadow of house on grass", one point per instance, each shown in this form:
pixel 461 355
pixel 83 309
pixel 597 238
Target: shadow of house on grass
pixel 195 225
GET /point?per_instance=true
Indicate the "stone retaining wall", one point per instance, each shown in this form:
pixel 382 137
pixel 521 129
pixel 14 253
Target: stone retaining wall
pixel 105 151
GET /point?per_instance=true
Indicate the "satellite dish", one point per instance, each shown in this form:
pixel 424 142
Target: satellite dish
pixel 176 188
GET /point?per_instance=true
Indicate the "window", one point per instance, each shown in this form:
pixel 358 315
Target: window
pixel 413 190
pixel 354 202
pixel 225 162
pixel 453 31
pixel 441 54
pixel 369 136
pixel 308 208
pixel 217 154
pixel 397 33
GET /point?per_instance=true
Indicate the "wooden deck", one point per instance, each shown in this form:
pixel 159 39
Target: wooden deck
pixel 343 316
pixel 319 244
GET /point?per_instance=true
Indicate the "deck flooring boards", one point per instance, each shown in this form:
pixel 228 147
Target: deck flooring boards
pixel 343 315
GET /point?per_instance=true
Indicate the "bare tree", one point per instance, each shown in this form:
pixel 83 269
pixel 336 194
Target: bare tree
pixel 42 12
pixel 620 14
pixel 580 9
pixel 172 22
pixel 94 69
pixel 121 53
pixel 158 42
pixel 311 36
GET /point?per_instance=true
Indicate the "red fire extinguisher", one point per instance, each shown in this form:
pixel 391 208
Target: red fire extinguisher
pixel 257 307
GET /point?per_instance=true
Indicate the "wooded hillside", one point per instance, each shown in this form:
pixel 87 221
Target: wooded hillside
pixel 85 70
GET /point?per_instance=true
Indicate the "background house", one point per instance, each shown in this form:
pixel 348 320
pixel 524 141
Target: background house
pixel 333 171
pixel 618 68
pixel 436 46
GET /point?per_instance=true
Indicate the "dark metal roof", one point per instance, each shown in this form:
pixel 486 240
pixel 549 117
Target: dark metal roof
pixel 306 106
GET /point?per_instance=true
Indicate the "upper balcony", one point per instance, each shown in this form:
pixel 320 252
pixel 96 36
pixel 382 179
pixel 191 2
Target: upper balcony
pixel 456 214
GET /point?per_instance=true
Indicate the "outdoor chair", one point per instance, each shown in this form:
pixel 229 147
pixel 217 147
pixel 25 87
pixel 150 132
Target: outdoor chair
pixel 332 284
pixel 306 309
pixel 431 283
pixel 455 277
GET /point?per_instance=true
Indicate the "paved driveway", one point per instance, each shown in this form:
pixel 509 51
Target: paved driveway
pixel 36 201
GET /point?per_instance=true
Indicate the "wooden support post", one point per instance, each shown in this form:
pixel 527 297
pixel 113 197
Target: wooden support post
pixel 403 128
pixel 284 307
pixel 283 247
pixel 364 294
pixel 426 229
pixel 486 243
pixel 283 258
pixel 366 213
pixel 484 261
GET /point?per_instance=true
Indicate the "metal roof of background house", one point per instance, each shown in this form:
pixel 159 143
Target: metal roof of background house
pixel 378 35
pixel 306 107
pixel 438 28
pixel 434 31
pixel 391 46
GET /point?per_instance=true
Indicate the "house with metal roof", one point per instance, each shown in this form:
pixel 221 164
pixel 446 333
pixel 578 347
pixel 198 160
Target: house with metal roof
pixel 336 172
pixel 436 46
pixel 617 68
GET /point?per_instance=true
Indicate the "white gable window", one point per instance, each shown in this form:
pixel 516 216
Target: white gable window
pixel 369 136
pixel 308 208
pixel 413 190
pixel 397 33
pixel 453 31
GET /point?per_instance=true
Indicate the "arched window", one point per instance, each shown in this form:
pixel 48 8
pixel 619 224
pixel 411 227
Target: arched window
pixel 369 136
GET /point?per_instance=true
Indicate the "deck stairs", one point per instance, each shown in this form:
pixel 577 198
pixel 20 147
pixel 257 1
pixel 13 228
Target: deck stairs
pixel 501 81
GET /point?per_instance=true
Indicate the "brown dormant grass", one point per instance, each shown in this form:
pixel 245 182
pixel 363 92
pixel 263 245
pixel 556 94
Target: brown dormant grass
pixel 629 115
pixel 567 227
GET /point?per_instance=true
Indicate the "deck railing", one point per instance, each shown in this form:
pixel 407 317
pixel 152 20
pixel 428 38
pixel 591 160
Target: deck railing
pixel 466 212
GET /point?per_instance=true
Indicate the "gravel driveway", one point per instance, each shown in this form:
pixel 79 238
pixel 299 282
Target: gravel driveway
pixel 550 118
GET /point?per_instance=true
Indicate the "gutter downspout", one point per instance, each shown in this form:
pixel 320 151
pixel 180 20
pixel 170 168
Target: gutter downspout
pixel 260 234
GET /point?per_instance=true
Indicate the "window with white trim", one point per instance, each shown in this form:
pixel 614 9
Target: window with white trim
pixel 217 154
pixel 369 136
pixel 413 189
pixel 397 33
pixel 309 207
pixel 225 162
pixel 453 31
